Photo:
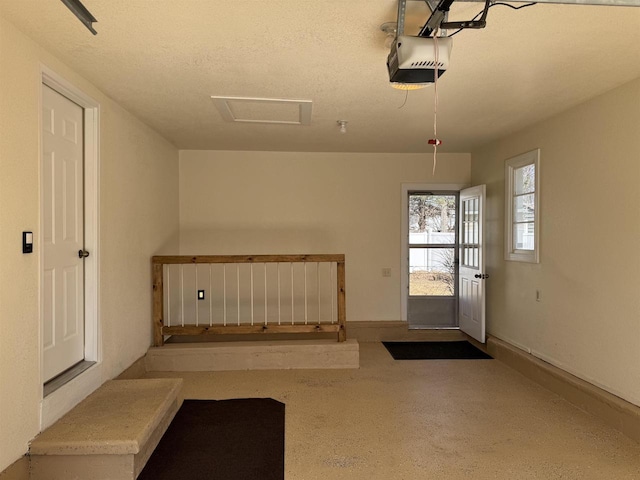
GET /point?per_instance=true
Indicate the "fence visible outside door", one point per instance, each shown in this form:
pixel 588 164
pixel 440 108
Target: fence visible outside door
pixel 63 233
pixel 433 260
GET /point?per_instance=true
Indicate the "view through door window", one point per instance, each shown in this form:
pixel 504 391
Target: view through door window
pixel 432 239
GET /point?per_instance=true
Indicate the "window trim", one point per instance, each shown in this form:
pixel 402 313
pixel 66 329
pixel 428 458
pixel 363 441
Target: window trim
pixel 511 253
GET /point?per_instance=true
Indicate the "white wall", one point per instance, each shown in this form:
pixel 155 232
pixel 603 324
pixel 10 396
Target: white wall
pixel 275 202
pixel 139 217
pixel 588 319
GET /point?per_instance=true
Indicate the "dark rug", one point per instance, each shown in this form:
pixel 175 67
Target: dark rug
pixel 434 351
pixel 221 439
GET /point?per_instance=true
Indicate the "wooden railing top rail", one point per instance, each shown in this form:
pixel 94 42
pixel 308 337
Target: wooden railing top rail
pixel 187 259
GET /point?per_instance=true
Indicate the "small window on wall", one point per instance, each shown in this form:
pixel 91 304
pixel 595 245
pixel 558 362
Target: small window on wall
pixel 522 213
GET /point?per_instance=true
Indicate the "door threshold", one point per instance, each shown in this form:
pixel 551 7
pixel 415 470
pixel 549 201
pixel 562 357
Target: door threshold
pixel 427 327
pixel 65 377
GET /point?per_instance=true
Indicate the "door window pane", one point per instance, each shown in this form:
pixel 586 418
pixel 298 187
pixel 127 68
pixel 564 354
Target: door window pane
pixel 432 219
pixel 470 256
pixel 470 233
pixel 432 271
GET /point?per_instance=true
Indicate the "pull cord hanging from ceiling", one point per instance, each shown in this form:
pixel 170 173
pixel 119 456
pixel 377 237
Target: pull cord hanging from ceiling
pixel 435 141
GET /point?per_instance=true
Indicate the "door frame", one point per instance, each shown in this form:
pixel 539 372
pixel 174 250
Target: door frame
pixel 404 234
pixel 56 404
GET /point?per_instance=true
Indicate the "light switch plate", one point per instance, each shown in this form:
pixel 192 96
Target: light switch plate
pixel 27 242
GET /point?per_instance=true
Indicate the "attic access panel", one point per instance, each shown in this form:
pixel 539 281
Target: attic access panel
pixel 264 110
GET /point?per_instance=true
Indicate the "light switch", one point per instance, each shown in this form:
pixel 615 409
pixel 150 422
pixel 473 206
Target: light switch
pixel 200 294
pixel 27 242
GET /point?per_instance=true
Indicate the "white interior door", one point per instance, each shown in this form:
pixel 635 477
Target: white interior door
pixel 63 233
pixel 471 309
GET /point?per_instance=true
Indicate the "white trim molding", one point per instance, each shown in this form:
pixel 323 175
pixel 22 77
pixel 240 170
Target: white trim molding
pixel 69 395
pixel 510 166
pixel 56 404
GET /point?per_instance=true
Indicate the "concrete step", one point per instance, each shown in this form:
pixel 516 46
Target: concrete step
pixel 266 355
pixel 110 434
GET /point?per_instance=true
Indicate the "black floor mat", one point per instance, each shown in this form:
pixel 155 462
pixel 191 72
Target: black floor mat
pixel 434 351
pixel 241 439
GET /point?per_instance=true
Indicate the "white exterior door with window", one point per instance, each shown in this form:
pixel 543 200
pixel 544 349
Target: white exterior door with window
pixel 471 309
pixel 63 233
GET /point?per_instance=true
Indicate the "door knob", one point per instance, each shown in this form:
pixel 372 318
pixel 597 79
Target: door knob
pixel 481 275
pixel 477 275
pixel 83 254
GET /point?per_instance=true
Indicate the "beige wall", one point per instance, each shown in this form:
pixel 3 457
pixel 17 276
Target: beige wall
pixel 273 202
pixel 139 217
pixel 588 319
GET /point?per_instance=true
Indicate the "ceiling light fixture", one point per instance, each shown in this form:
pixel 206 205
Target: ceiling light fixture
pixel 343 125
pixel 409 86
pixel 80 11
pixel 391 29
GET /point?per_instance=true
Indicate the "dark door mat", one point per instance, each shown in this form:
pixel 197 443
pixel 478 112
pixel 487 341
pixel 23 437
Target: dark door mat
pixel 221 439
pixel 434 351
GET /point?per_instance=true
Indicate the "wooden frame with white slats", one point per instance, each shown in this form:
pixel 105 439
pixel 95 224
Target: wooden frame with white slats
pixel 160 330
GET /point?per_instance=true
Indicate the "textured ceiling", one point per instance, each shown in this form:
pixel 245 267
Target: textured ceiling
pixel 163 59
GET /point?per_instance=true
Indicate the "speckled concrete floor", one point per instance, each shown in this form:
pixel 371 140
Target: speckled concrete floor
pixel 464 419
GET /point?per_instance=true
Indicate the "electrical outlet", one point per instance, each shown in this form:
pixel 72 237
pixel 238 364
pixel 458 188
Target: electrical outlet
pixel 386 272
pixel 200 294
